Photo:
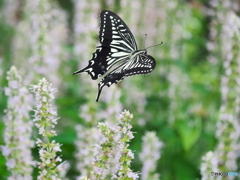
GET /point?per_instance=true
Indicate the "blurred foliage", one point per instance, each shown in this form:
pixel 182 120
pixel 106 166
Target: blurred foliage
pixel 186 140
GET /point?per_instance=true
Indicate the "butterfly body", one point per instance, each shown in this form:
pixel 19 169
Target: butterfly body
pixel 118 56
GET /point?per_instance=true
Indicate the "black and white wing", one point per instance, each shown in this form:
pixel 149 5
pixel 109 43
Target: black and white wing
pixel 117 57
pixel 117 42
pixel 141 64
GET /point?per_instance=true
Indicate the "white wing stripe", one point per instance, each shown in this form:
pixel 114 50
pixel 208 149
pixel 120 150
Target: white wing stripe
pixel 118 42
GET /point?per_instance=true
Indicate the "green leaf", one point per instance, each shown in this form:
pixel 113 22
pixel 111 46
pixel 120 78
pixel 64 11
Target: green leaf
pixel 189 134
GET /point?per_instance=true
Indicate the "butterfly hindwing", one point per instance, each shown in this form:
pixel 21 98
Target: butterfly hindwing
pixel 97 66
pixel 142 64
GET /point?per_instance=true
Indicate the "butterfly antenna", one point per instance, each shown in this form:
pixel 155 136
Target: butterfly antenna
pixel 155 45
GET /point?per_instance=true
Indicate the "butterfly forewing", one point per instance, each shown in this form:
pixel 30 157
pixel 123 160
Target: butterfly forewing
pixel 115 33
pixel 116 41
pixel 142 64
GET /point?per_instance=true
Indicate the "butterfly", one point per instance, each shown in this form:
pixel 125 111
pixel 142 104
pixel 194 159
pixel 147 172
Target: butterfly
pixel 117 57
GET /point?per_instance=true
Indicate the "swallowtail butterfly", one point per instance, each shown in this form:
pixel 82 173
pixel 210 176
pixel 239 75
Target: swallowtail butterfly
pixel 117 57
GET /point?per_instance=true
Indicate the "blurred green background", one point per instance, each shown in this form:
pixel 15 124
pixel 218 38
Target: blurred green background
pixel 180 99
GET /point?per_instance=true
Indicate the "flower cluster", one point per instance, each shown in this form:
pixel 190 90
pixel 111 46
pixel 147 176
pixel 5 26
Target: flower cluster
pixel 112 156
pixel 225 156
pixel 85 12
pixel 218 11
pixel 9 11
pixel 228 127
pixel 45 120
pixel 173 31
pixel 18 128
pixel 82 178
pixel 42 29
pixel 209 164
pixel 150 154
pixel 87 137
